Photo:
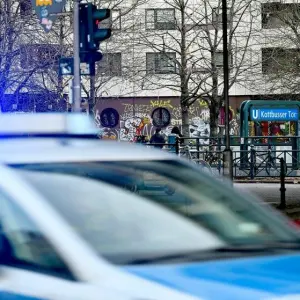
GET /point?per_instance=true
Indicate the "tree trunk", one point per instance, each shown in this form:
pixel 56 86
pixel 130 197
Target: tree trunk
pixel 185 120
pixel 213 118
pixel 214 106
pixel 184 89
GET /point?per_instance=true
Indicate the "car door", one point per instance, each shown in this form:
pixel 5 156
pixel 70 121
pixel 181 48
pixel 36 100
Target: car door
pixel 30 266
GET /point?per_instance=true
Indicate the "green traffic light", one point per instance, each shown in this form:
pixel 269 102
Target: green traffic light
pixel 102 34
pixel 101 14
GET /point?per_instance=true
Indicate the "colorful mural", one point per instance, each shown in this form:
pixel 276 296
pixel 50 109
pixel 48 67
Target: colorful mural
pixel 135 117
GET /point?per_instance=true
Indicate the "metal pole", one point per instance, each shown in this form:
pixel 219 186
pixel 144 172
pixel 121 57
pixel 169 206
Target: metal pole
pixel 282 189
pixel 92 95
pixel 228 164
pixel 60 78
pixel 77 79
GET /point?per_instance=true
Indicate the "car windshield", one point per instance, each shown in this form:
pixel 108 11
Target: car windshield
pixel 175 207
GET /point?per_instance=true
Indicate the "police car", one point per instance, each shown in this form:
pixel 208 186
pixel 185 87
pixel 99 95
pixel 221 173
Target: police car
pixel 85 219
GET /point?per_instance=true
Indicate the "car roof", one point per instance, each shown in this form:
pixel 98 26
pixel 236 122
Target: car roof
pixel 35 150
pixel 46 123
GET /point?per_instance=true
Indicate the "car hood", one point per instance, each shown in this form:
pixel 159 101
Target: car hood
pixel 268 278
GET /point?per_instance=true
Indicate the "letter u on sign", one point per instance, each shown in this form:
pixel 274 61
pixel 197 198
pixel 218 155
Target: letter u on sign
pixel 254 114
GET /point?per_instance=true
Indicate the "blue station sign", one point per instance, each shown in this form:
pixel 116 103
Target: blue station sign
pixel 274 114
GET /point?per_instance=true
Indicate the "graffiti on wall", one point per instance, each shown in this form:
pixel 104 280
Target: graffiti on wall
pixel 135 118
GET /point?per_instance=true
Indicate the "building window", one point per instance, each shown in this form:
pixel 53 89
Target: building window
pixel 161 63
pixel 276 60
pixel 25 8
pixel 217 18
pixel 42 56
pixel 160 19
pixel 110 65
pixel 276 15
pixel 219 59
pixel 116 19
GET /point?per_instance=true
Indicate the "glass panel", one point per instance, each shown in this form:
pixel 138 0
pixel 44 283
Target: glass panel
pixel 26 247
pixel 165 63
pixel 94 210
pixel 150 19
pixel 165 19
pixel 120 225
pixel 111 64
pixel 150 63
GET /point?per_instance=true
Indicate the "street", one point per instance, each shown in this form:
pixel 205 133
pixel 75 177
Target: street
pixel 270 192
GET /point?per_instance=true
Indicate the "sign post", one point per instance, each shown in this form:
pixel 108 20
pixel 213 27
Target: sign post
pixel 77 79
pixel 227 154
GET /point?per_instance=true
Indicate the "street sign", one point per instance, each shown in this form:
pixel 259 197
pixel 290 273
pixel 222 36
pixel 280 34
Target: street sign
pixel 274 114
pixel 46 11
pixel 85 68
pixel 66 67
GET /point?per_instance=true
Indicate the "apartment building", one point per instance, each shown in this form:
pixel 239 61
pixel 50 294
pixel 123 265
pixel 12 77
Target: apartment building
pixel 145 70
pixel 156 46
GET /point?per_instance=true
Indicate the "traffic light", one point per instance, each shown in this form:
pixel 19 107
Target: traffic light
pixel 91 19
pixel 83 30
pixel 90 35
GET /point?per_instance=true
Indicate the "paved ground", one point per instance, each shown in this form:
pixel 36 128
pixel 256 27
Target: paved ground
pixel 270 192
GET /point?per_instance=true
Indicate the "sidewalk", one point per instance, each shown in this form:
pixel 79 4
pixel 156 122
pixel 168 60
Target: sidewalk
pixel 288 180
pixel 292 211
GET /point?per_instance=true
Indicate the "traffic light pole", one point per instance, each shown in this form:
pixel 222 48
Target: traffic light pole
pixel 227 154
pixel 92 95
pixel 77 79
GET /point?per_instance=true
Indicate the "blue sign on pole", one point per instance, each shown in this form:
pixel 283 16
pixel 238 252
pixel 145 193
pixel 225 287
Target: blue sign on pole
pixel 274 114
pixel 66 66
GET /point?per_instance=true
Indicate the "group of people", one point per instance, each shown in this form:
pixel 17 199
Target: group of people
pixel 159 140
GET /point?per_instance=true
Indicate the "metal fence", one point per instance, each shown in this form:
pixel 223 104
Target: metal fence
pixel 259 157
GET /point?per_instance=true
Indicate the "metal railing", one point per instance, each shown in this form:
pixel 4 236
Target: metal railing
pixel 262 158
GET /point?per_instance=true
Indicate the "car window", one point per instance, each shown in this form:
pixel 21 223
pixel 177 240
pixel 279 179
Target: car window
pixel 212 206
pixel 118 224
pixel 23 245
pixel 185 190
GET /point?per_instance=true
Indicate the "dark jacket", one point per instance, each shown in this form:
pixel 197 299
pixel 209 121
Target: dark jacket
pixel 157 138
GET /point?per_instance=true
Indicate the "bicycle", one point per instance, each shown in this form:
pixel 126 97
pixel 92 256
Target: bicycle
pixel 269 160
pixel 205 167
pixel 212 159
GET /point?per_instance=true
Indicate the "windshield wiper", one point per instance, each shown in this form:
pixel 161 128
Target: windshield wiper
pixel 233 250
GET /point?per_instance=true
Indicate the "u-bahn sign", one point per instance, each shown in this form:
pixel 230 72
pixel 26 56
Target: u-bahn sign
pixel 46 10
pixel 274 114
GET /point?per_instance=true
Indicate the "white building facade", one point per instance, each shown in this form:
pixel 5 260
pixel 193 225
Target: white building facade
pixel 164 48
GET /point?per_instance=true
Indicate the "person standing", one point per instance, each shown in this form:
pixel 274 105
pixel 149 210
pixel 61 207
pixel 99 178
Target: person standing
pixel 175 133
pixel 157 138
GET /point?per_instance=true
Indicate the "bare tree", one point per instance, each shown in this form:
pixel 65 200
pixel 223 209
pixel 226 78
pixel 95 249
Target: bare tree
pixel 28 56
pixel 280 55
pixel 111 72
pixel 183 41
